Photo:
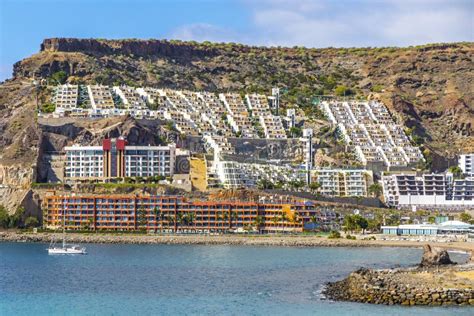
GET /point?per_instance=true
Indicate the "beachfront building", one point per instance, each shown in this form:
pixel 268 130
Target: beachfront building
pixel 116 159
pixel 466 163
pixel 342 182
pixel 444 228
pixel 175 213
pixel 407 190
pixel 372 133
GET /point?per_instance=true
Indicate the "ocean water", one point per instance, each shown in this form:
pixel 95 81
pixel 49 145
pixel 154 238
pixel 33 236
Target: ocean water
pixel 192 280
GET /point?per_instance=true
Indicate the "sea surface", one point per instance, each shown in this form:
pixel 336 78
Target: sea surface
pixel 190 280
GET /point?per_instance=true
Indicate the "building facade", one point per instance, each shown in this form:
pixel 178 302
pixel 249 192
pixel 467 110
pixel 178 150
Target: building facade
pixel 406 190
pixel 445 228
pixel 342 182
pixel 466 163
pixel 116 159
pixel 175 213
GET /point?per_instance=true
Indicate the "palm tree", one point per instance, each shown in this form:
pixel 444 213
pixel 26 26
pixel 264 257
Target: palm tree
pixel 191 217
pixel 234 216
pixel 157 213
pixel 284 219
pixel 179 219
pixel 258 222
pixel 225 218
pixel 162 217
pixel 275 220
pixel 314 219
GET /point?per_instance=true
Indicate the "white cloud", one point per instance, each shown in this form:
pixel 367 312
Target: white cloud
pixel 323 23
pixel 203 32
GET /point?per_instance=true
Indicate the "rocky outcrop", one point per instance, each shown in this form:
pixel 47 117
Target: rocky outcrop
pixel 434 257
pixel 172 49
pixel 397 287
pixel 410 286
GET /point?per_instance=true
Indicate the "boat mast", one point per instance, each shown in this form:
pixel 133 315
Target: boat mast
pixel 64 225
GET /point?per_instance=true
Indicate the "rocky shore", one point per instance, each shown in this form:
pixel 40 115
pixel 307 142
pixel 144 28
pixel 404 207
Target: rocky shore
pixel 250 240
pixel 432 283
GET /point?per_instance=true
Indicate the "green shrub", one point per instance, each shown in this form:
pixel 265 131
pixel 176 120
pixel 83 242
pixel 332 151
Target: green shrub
pixel 342 91
pixel 31 221
pixel 350 237
pixel 48 108
pixel 4 217
pixel 334 234
pixel 59 77
pixel 377 88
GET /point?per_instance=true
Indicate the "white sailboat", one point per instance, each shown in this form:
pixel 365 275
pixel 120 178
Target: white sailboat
pixel 65 249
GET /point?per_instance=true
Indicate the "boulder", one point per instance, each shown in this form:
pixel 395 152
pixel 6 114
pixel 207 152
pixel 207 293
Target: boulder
pixel 434 257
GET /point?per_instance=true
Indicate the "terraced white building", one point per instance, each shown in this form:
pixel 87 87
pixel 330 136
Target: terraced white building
pixel 372 133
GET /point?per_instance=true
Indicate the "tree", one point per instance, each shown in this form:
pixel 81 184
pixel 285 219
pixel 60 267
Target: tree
pixel 314 186
pixel 4 218
pixel 375 189
pixel 350 223
pixel 258 222
pixel 31 221
pixel 59 77
pixel 296 132
pixel 264 184
pixel 342 91
pixel 142 219
pixel 362 223
pixel 456 171
pixel 157 213
pixel 431 219
pixel 15 219
pixel 465 217
pixel 48 108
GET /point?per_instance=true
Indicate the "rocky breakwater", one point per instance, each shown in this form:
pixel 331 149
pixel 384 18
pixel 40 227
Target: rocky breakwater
pixel 436 281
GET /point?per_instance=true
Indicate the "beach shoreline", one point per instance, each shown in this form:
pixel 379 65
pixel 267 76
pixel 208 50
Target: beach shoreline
pixel 243 240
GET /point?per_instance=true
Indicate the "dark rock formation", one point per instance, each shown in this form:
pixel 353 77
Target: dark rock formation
pixel 434 257
pixel 397 287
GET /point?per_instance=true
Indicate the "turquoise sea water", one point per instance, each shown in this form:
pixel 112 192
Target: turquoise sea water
pixel 189 280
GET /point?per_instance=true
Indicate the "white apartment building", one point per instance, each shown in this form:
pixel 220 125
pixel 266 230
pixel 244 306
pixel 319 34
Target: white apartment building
pixel 66 96
pixel 466 163
pixel 100 97
pixel 84 162
pixel 116 159
pixel 405 190
pixel 272 127
pixel 369 128
pixel 342 182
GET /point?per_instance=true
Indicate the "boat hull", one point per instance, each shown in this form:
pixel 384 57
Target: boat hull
pixel 66 251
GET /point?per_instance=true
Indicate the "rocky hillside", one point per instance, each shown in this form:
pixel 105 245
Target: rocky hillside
pixel 429 88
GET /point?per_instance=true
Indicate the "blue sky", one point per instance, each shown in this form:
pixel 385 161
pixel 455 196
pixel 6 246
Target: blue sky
pixel 313 23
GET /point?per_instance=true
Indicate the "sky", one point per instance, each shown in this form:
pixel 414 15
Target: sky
pixel 311 23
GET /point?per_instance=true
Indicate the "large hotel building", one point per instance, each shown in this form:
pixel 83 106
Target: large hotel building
pixel 175 213
pixel 117 159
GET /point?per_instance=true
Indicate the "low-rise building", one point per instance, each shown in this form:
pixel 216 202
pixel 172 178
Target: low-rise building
pixel 444 228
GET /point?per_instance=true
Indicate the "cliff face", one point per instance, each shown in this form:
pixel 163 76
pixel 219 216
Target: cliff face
pixel 427 88
pixel 143 48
